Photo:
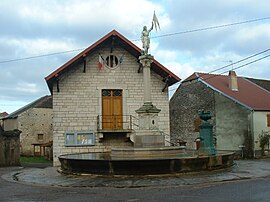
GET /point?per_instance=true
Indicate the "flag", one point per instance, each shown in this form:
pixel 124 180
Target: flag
pixel 121 59
pixel 155 21
pixel 100 62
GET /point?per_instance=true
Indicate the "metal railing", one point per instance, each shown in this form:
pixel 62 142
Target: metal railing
pixel 117 122
pixel 176 142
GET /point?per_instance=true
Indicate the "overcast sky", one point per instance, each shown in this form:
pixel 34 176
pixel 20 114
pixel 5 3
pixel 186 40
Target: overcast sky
pixel 33 28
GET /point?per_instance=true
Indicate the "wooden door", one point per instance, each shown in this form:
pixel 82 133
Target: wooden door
pixel 112 110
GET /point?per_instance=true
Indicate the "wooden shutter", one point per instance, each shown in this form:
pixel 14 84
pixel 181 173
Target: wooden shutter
pixel 268 120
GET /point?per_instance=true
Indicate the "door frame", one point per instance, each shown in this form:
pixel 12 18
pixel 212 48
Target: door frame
pixel 112 108
pixel 122 87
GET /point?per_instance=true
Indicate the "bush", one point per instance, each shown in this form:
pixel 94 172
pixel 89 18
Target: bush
pixel 264 141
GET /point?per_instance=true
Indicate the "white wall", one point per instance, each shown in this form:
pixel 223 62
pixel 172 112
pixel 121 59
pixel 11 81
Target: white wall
pixel 259 125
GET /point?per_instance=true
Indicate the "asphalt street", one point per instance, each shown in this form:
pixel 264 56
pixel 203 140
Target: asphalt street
pixel 251 183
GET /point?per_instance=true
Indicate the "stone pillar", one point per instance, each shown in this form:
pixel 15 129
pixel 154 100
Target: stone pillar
pixel 146 61
pixel 206 135
pixel 148 134
pixel 147 107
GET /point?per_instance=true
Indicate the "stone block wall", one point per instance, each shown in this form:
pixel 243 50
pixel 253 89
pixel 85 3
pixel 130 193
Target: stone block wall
pixel 190 98
pixel 79 102
pixel 36 127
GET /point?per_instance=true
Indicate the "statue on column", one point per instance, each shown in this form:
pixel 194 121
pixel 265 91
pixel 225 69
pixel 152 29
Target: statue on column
pixel 145 34
pixel 146 39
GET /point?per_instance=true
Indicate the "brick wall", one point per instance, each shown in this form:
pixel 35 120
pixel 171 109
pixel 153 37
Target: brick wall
pixel 76 106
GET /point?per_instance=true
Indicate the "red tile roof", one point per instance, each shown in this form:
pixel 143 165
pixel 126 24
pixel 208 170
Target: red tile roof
pixel 126 44
pixel 249 94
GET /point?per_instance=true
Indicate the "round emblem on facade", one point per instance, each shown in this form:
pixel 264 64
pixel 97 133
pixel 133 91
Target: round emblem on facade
pixel 112 61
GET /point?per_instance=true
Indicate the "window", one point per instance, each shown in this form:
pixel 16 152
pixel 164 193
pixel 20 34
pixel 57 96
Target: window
pixel 40 137
pixel 111 61
pixel 268 120
pixel 79 139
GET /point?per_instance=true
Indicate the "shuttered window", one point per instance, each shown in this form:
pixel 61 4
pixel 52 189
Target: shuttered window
pixel 268 120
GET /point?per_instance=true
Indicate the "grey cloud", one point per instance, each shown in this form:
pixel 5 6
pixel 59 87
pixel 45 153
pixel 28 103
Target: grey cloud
pixel 188 15
pixel 184 15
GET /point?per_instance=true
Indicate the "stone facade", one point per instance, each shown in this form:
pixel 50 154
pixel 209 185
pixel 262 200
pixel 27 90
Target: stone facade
pixel 231 121
pixel 79 100
pixel 35 122
pixel 185 105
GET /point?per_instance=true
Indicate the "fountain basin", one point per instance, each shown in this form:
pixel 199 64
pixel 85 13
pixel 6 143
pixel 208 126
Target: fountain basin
pixel 117 164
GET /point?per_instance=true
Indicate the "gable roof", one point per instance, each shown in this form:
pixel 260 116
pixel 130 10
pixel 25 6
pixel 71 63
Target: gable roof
pixel 249 94
pixel 43 102
pixel 113 36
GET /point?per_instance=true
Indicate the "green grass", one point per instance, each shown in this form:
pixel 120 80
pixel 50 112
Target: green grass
pixel 33 159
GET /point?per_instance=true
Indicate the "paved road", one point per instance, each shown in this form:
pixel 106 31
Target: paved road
pixel 245 190
pixel 250 182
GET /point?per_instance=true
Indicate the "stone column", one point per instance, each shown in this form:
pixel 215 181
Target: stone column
pixel 148 134
pixel 146 61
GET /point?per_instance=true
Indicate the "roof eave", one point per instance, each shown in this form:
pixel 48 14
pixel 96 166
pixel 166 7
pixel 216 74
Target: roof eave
pixel 52 77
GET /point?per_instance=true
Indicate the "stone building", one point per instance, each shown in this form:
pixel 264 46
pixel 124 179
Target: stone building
pixel 240 108
pixel 96 93
pixel 34 121
pixel 3 114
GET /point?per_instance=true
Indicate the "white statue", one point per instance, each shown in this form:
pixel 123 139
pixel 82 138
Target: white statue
pixel 145 35
pixel 146 39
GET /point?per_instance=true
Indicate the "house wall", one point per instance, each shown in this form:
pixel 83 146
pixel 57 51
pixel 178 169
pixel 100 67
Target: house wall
pixel 10 124
pixel 190 98
pixel 77 105
pixel 231 121
pixel 32 122
pixel 259 125
pixel 232 124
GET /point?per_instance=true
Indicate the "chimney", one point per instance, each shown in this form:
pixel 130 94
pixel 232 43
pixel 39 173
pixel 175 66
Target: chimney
pixel 233 84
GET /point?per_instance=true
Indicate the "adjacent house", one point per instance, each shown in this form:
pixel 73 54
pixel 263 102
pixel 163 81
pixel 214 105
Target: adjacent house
pixel 3 114
pixel 35 123
pixel 96 93
pixel 240 108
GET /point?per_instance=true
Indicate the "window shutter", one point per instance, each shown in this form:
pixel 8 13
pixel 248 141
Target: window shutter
pixel 268 120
